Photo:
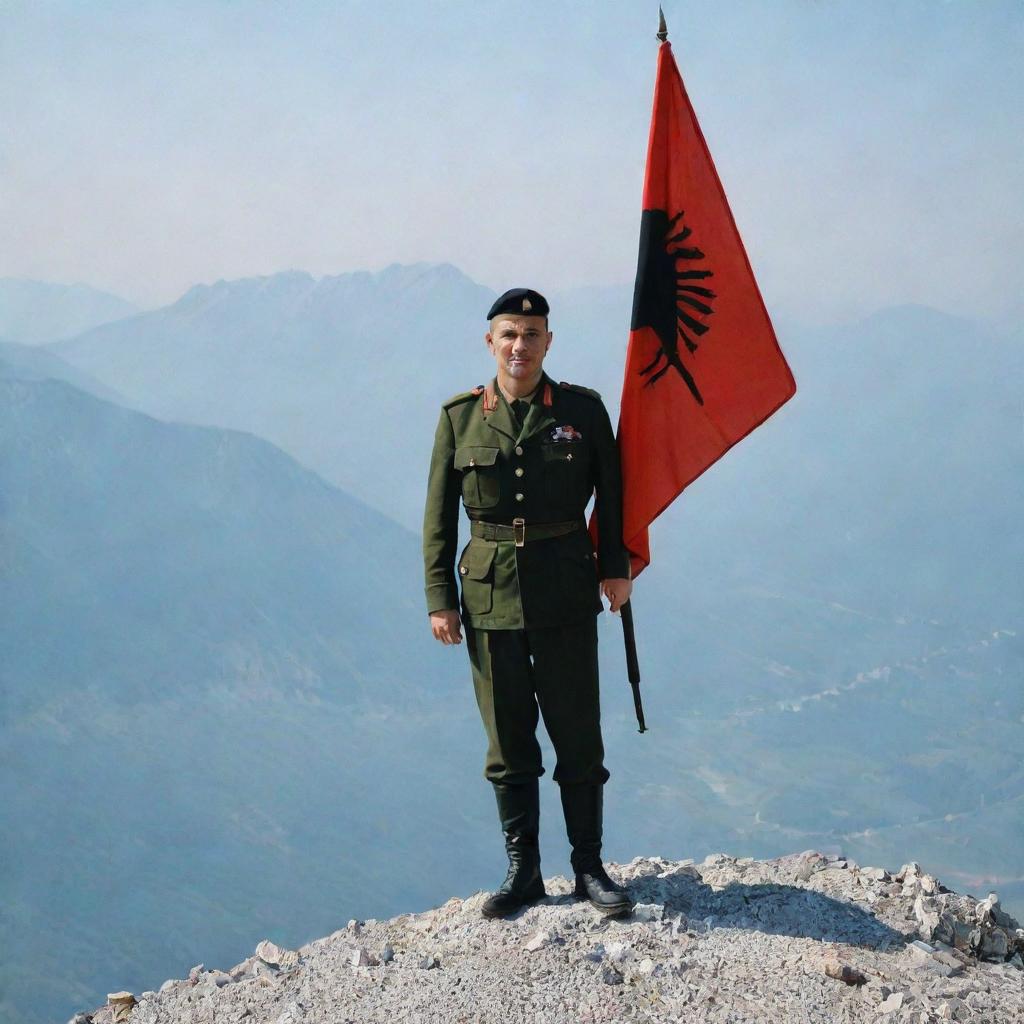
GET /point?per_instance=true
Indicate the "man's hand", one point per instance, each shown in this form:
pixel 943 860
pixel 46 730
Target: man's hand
pixel 617 592
pixel 446 626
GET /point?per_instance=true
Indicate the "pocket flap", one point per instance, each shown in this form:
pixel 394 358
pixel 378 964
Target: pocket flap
pixel 476 560
pixel 475 455
pixel 561 451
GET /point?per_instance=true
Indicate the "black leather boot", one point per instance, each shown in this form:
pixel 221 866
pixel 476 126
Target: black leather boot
pixel 583 808
pixel 519 810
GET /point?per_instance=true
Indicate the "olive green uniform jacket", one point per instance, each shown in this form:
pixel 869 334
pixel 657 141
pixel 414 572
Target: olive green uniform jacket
pixel 544 471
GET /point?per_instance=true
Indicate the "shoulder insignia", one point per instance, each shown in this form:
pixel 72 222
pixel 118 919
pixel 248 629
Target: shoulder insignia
pixel 463 396
pixel 580 389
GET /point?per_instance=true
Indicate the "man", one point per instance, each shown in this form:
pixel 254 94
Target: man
pixel 525 455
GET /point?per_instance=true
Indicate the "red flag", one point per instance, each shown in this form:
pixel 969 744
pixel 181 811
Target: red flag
pixel 704 367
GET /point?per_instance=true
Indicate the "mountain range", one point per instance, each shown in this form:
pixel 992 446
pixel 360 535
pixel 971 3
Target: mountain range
pixel 336 371
pixel 220 693
pixel 213 702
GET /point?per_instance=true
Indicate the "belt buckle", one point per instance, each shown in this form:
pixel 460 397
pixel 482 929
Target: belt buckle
pixel 519 531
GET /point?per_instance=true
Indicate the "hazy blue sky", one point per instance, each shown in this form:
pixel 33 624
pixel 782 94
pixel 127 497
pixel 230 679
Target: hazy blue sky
pixel 873 152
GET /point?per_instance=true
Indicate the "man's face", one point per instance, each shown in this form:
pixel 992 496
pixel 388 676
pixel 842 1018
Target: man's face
pixel 519 344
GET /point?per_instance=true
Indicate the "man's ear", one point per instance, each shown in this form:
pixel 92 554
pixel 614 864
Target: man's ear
pixel 490 341
pixel 551 338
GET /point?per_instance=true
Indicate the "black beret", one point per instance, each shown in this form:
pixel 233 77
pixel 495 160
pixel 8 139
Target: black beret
pixel 519 300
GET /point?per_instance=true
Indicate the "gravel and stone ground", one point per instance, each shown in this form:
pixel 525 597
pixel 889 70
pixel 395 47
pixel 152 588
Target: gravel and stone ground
pixel 803 938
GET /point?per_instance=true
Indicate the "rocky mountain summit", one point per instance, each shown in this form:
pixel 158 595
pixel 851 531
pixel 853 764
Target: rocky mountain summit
pixel 802 938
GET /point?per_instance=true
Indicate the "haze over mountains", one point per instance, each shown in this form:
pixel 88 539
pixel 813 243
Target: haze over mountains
pixel 226 719
pixel 34 362
pixel 335 371
pixel 207 669
pixel 34 312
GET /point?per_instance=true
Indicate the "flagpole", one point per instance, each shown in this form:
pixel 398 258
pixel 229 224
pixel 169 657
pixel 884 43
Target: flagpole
pixel 626 611
pixel 632 664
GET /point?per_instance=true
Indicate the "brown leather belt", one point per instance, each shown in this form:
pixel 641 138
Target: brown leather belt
pixel 520 532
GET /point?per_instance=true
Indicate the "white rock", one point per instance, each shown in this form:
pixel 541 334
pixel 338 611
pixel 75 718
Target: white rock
pixel 619 952
pixel 875 874
pixel 648 912
pixel 538 940
pixel 954 964
pixel 891 1003
pixel 269 952
pixel 362 958
pixel 292 1014
pixel 684 870
pixel 934 923
pixel 206 987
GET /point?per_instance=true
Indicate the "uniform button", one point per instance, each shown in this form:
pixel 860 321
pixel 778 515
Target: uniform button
pixel 519 449
pixel 463 570
pixel 519 497
pixel 472 462
pixel 568 458
pixel 520 471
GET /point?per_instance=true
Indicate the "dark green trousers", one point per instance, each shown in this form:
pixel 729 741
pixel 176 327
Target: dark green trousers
pixel 553 670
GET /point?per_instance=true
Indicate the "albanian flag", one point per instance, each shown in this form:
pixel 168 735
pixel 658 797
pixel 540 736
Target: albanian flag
pixel 704 367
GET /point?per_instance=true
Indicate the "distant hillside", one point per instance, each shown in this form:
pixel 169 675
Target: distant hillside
pixel 34 312
pixel 334 370
pixel 847 577
pixel 186 555
pixel 32 362
pixel 831 633
pixel 218 695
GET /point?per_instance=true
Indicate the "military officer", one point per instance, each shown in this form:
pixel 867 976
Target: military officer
pixel 525 454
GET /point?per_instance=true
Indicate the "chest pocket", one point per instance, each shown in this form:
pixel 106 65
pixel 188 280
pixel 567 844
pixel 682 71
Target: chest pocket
pixel 567 472
pixel 481 487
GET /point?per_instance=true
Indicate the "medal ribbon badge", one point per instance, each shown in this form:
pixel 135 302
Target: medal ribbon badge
pixel 566 433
